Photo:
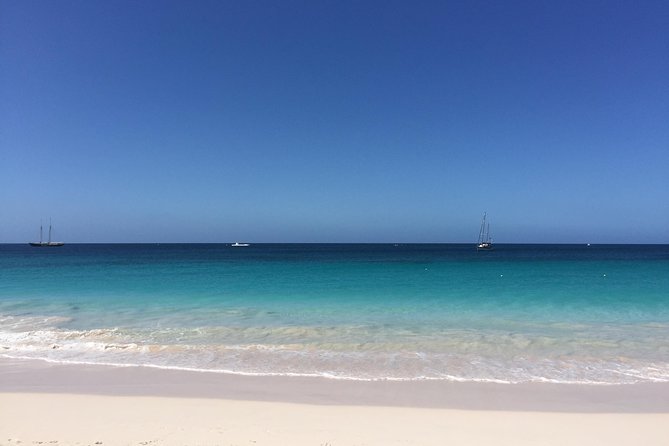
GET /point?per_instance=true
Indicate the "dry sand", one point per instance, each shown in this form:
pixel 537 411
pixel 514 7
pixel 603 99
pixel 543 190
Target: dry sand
pixel 81 405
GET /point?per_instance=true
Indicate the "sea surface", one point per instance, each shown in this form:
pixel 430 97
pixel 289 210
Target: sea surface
pixel 521 313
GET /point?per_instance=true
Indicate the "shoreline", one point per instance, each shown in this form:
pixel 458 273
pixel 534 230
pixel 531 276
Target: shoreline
pixel 45 403
pixel 37 376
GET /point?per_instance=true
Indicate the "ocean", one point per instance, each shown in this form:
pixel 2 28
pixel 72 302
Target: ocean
pixel 521 313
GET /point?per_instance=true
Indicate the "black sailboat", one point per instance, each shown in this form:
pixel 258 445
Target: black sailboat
pixel 47 244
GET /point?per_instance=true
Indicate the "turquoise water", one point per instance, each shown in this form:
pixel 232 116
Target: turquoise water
pixel 520 313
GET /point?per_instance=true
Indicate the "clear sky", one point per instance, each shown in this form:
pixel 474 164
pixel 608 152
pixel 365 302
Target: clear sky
pixel 335 121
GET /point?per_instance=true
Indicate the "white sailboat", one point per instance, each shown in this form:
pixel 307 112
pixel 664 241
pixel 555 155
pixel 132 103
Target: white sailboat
pixel 47 244
pixel 485 242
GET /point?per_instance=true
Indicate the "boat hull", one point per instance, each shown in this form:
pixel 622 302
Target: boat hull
pixel 46 245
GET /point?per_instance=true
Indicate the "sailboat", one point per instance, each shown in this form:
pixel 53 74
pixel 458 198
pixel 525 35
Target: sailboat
pixel 47 244
pixel 485 242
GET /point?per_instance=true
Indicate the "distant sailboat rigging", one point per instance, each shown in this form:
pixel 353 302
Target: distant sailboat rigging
pixel 485 242
pixel 47 244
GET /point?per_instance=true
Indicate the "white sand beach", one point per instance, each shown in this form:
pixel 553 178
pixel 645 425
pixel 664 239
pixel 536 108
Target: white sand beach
pixel 42 403
pixel 133 420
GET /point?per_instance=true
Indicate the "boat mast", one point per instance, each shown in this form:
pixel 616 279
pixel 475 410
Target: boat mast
pixel 482 230
pixel 40 232
pixel 49 231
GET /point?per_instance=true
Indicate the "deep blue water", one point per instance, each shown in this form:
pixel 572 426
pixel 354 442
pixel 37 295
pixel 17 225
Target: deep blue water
pixel 559 313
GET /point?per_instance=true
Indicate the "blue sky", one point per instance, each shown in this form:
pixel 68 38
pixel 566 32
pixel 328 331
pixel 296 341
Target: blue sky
pixel 335 121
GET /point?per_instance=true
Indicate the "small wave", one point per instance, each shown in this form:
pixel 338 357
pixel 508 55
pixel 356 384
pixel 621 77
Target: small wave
pixel 327 375
pixel 344 353
pixel 401 366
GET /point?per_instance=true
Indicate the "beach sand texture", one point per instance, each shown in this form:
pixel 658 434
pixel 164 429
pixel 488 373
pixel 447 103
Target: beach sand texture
pixel 109 420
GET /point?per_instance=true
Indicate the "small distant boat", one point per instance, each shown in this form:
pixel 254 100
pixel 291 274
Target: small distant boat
pixel 485 242
pixel 47 244
pixel 239 245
